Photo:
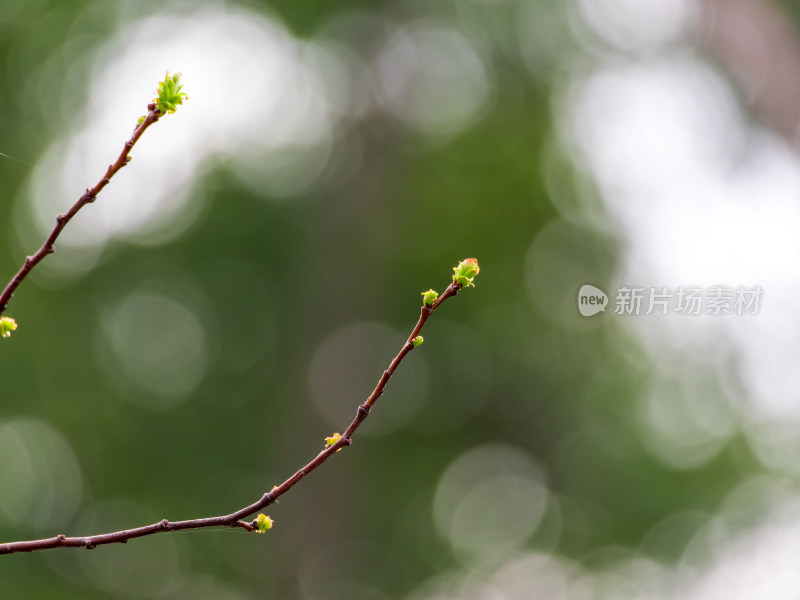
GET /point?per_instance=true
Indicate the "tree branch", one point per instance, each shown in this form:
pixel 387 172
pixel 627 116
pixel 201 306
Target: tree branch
pixel 89 196
pixel 234 519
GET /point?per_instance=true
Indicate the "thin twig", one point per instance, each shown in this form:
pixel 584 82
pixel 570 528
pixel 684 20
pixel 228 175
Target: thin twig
pixel 89 196
pixel 234 519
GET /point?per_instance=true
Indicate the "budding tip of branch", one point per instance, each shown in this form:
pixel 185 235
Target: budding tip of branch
pixel 169 94
pixel 429 298
pixel 465 272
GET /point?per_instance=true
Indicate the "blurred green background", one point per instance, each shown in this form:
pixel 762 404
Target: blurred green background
pixel 237 290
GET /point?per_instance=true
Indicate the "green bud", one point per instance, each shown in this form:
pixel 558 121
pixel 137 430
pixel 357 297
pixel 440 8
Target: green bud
pixel 417 341
pixel 141 120
pixel 7 325
pixel 263 522
pixel 465 272
pixel 169 94
pixel 429 297
pixel 330 441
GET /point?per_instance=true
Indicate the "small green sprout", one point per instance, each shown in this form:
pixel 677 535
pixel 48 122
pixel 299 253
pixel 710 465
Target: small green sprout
pixel 465 272
pixel 169 93
pixel 263 522
pixel 7 325
pixel 429 297
pixel 417 341
pixel 330 441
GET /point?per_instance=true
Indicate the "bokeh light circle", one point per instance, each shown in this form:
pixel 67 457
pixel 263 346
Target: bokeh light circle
pixel 159 345
pixel 121 573
pixel 346 366
pixel 432 78
pixel 489 499
pixel 40 475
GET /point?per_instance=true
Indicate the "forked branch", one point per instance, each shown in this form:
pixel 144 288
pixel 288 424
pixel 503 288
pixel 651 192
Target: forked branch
pixel 169 97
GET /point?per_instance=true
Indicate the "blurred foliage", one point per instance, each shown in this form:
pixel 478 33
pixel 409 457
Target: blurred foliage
pixel 559 390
